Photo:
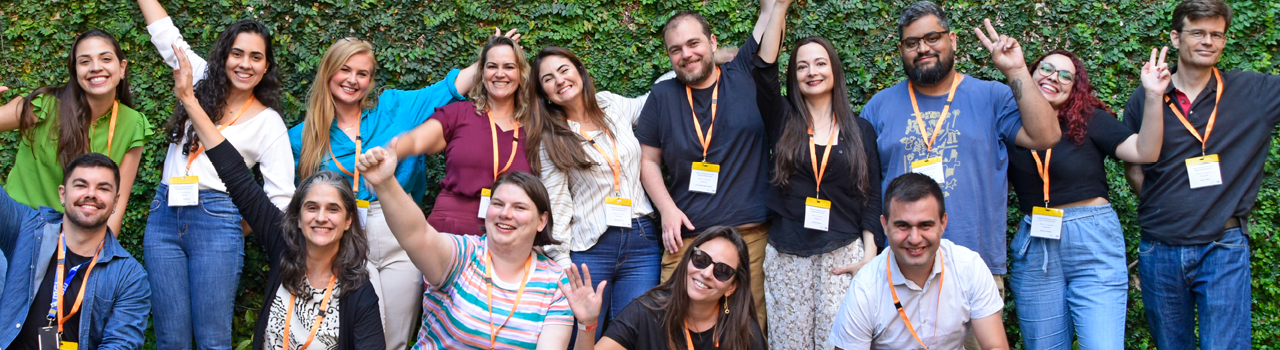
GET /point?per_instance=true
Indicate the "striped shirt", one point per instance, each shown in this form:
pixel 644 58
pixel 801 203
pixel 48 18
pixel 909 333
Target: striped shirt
pixel 456 314
pixel 577 196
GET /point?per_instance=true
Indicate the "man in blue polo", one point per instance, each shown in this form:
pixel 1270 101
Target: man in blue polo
pixel 70 284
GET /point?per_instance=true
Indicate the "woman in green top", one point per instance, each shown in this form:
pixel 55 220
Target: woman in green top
pixel 91 114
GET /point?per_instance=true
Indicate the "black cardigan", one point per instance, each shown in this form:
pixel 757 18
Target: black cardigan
pixel 359 321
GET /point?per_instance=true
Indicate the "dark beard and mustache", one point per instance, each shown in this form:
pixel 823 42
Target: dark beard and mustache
pixel 88 222
pixel 932 75
pixel 694 79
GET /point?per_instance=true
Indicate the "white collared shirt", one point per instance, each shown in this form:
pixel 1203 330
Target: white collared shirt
pixel 868 319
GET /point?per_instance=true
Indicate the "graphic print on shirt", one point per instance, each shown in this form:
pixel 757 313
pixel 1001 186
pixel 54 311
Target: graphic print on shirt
pixel 305 310
pixel 947 144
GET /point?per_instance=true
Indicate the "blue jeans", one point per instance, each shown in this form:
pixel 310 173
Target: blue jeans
pixel 1075 284
pixel 630 259
pixel 1213 278
pixel 193 260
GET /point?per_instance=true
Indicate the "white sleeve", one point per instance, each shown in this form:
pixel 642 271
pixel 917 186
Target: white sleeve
pixel 275 160
pixel 164 35
pixel 557 184
pixel 623 110
pixel 984 297
pixel 854 325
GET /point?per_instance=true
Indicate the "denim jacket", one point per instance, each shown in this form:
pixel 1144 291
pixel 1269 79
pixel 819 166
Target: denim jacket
pixel 117 297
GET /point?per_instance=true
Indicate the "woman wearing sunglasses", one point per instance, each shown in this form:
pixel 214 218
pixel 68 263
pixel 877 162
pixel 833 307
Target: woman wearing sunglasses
pixel 1068 259
pixel 701 307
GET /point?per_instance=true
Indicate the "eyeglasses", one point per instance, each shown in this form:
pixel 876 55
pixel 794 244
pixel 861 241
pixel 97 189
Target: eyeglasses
pixel 1198 35
pixel 1047 70
pixel 722 271
pixel 930 38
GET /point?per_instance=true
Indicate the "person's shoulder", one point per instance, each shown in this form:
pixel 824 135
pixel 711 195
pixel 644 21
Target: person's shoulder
pixel 873 272
pixel 667 88
pixel 961 257
pixel 897 89
pixel 545 263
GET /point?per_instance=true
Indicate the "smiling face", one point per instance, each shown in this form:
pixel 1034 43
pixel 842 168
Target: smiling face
pixel 690 51
pixel 928 64
pixel 247 61
pixel 1203 53
pixel 702 283
pixel 351 83
pixel 560 80
pixel 1054 88
pixel 323 217
pixel 914 230
pixel 98 69
pixel 501 72
pixel 512 219
pixel 89 195
pixel 813 70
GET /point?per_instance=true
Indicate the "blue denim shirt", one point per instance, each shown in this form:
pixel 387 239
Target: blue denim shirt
pixel 117 297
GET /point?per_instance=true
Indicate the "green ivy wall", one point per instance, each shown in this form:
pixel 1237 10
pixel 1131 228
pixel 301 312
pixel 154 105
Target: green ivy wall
pixel 417 42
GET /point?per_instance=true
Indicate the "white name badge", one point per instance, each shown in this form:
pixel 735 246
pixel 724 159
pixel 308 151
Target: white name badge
pixel 1046 223
pixel 617 212
pixel 704 178
pixel 485 196
pixel 184 191
pixel 362 209
pixel 1204 171
pixel 817 213
pixel 932 168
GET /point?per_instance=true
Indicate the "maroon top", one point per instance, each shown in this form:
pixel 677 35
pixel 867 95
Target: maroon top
pixel 468 166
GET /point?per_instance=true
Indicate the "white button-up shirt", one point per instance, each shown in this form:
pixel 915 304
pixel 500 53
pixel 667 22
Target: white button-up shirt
pixel 868 319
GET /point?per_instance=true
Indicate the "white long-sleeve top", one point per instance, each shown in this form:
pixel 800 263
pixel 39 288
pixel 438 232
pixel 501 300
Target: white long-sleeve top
pixel 261 139
pixel 577 196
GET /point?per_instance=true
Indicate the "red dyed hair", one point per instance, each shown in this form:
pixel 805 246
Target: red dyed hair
pixel 1076 113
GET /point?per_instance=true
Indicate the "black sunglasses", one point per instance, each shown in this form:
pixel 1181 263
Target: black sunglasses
pixel 722 271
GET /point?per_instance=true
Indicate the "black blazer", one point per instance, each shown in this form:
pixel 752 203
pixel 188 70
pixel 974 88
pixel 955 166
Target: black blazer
pixel 359 321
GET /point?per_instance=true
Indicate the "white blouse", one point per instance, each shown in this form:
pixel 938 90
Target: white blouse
pixel 261 139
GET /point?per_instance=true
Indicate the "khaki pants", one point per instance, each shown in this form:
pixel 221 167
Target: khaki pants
pixel 395 280
pixel 971 340
pixel 756 238
pixel 803 295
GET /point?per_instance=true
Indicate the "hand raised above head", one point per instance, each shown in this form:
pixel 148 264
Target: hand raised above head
pixel 378 164
pixel 515 36
pixel 1006 53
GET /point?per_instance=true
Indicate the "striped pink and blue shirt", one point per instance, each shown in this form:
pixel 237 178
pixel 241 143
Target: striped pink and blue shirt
pixel 456 313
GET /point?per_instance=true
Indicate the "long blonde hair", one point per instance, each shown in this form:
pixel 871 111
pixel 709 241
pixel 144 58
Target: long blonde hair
pixel 320 106
pixel 481 95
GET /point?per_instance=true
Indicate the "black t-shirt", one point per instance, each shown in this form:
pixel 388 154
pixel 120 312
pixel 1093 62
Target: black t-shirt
pixel 851 211
pixel 38 314
pixel 739 144
pixel 638 327
pixel 1076 173
pixel 1169 210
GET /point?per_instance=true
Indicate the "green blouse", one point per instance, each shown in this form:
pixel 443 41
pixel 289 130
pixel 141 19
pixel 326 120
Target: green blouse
pixel 36 172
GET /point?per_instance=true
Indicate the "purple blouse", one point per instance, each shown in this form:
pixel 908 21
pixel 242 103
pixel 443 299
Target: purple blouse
pixel 468 166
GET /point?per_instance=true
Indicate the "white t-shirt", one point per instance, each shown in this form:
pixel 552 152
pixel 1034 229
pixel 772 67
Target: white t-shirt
pixel 868 319
pixel 261 139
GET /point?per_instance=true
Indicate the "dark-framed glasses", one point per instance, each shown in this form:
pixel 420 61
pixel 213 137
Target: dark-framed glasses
pixel 701 260
pixel 1047 69
pixel 931 38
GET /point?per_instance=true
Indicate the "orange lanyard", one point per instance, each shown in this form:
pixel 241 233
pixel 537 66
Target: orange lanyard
pixel 355 184
pixel 1044 171
pixel 58 282
pixel 192 158
pixel 515 140
pixel 615 163
pixel 315 326
pixel 919 117
pixel 488 275
pixel 715 97
pixel 688 338
pixel 1204 141
pixel 111 127
pixel 902 311
pixel 813 155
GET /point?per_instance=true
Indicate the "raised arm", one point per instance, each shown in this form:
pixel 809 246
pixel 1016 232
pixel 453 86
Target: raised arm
pixel 1145 146
pixel 165 35
pixel 427 138
pixel 10 113
pixel 428 249
pixel 467 78
pixel 152 11
pixel 1040 128
pixel 766 12
pixel 771 40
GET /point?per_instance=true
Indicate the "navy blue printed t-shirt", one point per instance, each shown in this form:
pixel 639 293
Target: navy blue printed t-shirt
pixel 739 145
pixel 972 143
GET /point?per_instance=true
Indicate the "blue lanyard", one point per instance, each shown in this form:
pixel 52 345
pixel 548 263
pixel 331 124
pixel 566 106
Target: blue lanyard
pixel 53 306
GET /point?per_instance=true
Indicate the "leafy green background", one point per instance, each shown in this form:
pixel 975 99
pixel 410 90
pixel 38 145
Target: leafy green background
pixel 417 43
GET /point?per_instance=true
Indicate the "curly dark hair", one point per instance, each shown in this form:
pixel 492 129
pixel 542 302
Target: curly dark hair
pixel 212 91
pixel 1075 114
pixel 353 249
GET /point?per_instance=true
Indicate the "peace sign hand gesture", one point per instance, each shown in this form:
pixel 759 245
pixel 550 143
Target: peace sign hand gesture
pixel 584 302
pixel 1006 53
pixel 1155 73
